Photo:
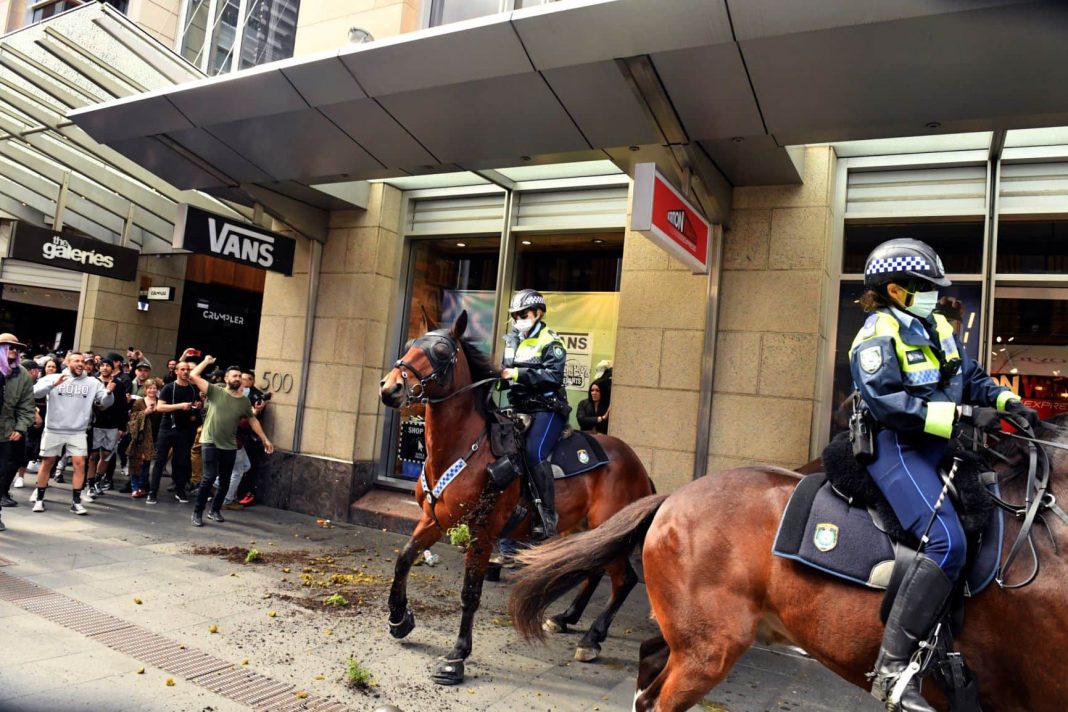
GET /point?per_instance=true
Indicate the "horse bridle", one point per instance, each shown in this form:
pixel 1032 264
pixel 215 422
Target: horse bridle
pixel 440 349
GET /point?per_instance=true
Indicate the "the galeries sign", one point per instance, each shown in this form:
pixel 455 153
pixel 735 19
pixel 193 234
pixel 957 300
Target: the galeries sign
pixel 207 233
pixel 72 252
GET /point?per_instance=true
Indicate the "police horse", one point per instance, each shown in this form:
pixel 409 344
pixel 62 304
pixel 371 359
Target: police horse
pixel 467 441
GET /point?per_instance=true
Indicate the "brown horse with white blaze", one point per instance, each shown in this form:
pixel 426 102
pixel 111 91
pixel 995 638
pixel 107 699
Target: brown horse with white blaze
pixel 451 376
pixel 713 582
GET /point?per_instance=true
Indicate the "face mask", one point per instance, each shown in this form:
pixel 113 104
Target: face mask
pixel 923 303
pixel 246 391
pixel 524 325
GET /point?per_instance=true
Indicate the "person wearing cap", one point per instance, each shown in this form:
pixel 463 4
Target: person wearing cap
pixel 33 435
pixel 142 375
pixel 533 373
pixel 108 422
pixel 16 413
pixel 912 375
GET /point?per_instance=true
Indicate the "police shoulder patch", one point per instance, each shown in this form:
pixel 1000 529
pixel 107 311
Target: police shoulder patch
pixel 871 358
pixel 558 351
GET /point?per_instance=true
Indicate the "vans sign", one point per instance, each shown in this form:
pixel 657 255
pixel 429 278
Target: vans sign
pixel 73 252
pixel 207 233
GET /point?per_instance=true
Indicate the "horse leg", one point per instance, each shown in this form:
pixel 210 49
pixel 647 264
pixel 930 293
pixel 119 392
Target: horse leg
pixel 560 622
pixel 401 618
pixel 623 581
pixel 450 671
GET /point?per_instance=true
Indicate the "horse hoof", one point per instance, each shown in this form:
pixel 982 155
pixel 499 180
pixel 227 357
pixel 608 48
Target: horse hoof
pixel 406 625
pixel 449 672
pixel 587 655
pixel 551 625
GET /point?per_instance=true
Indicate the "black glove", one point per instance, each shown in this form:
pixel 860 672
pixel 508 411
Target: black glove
pixel 983 418
pixel 1016 407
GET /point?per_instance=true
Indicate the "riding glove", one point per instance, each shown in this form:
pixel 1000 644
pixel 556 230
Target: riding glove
pixel 1016 407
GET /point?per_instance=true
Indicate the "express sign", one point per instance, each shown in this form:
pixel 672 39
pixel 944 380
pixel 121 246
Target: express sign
pixel 661 213
pixel 206 233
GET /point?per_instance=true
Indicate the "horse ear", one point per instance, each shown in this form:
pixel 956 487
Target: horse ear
pixel 428 323
pixel 459 326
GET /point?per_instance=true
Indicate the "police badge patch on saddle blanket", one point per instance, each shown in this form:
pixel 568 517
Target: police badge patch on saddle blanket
pixel 575 454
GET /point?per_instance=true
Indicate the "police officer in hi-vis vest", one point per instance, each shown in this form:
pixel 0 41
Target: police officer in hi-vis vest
pixel 533 372
pixel 913 374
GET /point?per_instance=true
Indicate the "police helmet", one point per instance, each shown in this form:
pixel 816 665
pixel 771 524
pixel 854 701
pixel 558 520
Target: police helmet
pixel 904 260
pixel 526 299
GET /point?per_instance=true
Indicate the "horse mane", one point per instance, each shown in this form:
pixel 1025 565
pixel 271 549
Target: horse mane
pixel 481 366
pixel 1015 450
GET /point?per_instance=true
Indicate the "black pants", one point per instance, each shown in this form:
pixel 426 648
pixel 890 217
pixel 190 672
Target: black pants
pixel 11 454
pixel 181 441
pixel 217 464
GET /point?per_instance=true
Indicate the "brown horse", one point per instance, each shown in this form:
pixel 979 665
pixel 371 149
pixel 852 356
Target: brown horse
pixel 451 375
pixel 713 582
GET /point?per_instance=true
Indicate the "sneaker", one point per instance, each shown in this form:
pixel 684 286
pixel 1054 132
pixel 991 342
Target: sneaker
pixel 19 483
pixel 96 490
pixel 105 485
pixel 216 516
pixel 233 505
pixel 197 521
pixel 151 499
pixel 6 501
pixel 33 466
pixel 38 506
pixel 77 508
pixel 33 495
pixel 181 497
pixel 247 499
pixel 88 496
pixel 138 494
pixel 58 478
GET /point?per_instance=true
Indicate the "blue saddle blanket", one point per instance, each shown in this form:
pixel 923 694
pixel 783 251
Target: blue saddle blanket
pixel 576 453
pixel 820 529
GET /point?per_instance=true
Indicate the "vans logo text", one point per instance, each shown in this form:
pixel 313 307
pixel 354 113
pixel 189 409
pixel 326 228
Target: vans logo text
pixel 241 243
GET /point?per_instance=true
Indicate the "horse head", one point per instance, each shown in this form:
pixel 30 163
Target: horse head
pixel 427 368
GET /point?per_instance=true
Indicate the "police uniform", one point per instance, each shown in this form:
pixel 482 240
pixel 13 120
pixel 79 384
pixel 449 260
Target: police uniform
pixel 537 360
pixel 911 373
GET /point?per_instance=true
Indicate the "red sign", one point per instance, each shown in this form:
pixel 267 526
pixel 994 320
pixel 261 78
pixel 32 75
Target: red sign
pixel 661 213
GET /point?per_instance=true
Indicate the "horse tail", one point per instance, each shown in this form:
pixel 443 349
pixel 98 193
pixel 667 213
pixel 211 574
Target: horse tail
pixel 554 568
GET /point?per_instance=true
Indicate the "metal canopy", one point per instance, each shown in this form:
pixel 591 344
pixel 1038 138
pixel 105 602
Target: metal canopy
pixel 50 169
pixel 723 85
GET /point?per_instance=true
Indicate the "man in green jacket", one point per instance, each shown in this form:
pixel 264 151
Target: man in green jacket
pixel 16 413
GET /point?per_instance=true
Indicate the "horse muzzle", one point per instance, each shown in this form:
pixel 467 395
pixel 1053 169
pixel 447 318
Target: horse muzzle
pixel 392 395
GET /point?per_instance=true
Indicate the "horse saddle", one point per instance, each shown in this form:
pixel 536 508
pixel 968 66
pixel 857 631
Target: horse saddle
pixel 838 522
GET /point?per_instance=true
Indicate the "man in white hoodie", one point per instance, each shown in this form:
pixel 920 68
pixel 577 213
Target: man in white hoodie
pixel 71 397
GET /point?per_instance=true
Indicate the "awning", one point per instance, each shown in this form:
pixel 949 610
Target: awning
pixel 618 79
pixel 81 58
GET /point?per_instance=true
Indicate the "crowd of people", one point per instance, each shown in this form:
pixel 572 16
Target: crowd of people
pixel 108 418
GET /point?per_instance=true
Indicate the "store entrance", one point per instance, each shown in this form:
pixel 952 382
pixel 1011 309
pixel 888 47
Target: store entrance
pixel 1030 346
pixel 43 318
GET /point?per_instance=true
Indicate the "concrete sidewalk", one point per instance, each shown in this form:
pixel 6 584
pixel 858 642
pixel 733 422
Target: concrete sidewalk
pixel 75 637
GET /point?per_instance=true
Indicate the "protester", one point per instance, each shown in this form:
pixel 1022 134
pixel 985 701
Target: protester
pixel 179 402
pixel 108 422
pixel 593 412
pixel 16 413
pixel 171 375
pixel 71 398
pixel 249 448
pixel 226 406
pixel 142 430
pixel 33 435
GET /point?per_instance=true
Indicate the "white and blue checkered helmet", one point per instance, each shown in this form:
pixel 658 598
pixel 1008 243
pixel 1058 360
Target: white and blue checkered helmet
pixel 527 299
pixel 904 260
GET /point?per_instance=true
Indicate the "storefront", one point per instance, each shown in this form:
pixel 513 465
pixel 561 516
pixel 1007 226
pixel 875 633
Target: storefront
pixel 470 251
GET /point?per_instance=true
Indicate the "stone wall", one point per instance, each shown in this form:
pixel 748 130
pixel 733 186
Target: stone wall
pixel 158 18
pixel 325 25
pixel 111 321
pixel 775 276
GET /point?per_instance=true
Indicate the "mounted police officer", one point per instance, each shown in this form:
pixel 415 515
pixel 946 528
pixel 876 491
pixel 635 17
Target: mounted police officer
pixel 912 375
pixel 533 372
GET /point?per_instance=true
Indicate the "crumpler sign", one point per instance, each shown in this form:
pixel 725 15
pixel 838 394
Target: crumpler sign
pixel 661 213
pixel 73 252
pixel 207 233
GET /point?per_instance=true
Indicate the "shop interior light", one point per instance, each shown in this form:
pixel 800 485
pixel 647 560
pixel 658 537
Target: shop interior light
pixel 461 244
pixel 524 242
pixel 598 241
pixel 997 339
pixel 1014 370
pixel 971 320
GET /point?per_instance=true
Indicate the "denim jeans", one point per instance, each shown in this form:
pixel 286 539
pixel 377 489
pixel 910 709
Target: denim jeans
pixel 241 466
pixel 218 464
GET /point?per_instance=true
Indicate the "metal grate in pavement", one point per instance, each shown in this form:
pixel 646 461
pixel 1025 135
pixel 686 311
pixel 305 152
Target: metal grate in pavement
pixel 15 589
pixel 242 685
pixel 191 664
pixel 74 614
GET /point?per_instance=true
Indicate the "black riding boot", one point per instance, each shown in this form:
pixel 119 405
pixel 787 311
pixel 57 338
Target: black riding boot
pixel 542 476
pixel 915 610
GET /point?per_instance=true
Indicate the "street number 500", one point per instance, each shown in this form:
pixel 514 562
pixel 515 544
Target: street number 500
pixel 276 381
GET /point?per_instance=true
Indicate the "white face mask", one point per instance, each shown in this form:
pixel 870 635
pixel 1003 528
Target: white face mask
pixel 923 303
pixel 523 325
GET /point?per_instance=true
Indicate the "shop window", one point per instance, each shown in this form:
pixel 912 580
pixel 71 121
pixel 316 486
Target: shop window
pixel 960 303
pixel 447 277
pixel 242 34
pixel 1032 247
pixel 959 244
pixel 1028 351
